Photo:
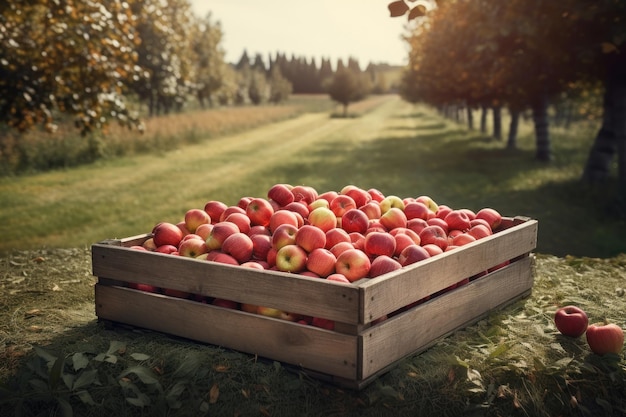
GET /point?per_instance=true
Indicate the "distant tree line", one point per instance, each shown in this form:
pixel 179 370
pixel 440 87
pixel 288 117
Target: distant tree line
pixel 98 61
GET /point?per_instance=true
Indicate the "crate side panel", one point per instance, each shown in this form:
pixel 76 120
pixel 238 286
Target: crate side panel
pixel 292 293
pixel 386 294
pixel 421 326
pixel 296 344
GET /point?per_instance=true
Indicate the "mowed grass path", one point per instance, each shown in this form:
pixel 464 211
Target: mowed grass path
pixel 396 147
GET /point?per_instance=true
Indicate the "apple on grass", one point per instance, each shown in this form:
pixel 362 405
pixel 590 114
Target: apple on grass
pixel 605 338
pixel 571 321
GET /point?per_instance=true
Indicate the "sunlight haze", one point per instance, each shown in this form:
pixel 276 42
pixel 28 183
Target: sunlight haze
pixel 314 29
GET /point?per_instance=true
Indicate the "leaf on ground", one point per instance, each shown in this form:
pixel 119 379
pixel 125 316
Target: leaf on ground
pixel 214 394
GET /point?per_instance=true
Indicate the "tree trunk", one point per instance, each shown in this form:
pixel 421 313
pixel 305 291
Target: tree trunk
pixel 470 118
pixel 497 122
pixel 611 137
pixel 512 138
pixel 542 132
pixel 483 119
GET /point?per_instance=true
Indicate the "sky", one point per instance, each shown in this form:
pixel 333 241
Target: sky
pixel 332 29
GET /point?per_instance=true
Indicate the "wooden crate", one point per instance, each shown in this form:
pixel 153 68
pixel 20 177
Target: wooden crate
pixel 356 351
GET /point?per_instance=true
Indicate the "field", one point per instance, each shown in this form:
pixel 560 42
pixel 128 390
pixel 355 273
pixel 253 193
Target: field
pixel 511 363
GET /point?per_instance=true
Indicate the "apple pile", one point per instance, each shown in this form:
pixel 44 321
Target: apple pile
pixel 341 236
pixel 602 338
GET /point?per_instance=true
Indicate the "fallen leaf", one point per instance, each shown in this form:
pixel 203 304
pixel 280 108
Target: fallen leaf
pixel 35 329
pixel 56 288
pixel 214 393
pixel 39 259
pixel 222 368
pixel 32 313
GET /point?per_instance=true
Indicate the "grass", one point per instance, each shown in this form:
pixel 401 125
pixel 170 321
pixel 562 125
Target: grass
pixel 512 362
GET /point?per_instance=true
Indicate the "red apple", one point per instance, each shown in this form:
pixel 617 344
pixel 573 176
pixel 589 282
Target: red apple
pixel 281 194
pixel 261 244
pixel 354 220
pixel 417 225
pixel 336 277
pixel 463 239
pixel 176 293
pixel 195 217
pixel 230 210
pixel 358 240
pixel 432 249
pixel 291 258
pixel 354 264
pixel 323 323
pixel 416 210
pixel 254 265
pixel 371 210
pixel 383 264
pixel 204 230
pixel 434 235
pixel 167 234
pixel 324 218
pixel 304 193
pixel 457 219
pixel 428 202
pixel 220 302
pixel 192 248
pixel 282 216
pixel 138 247
pixel 393 218
pixel 336 235
pixel 479 231
pixel 328 195
pixel 215 209
pixel 605 338
pixel 442 211
pixel 143 287
pixel 243 202
pixel 359 195
pixel 221 257
pixel 412 254
pixel 167 249
pixel 436 221
pixel 310 237
pixel 239 246
pixel 219 233
pixel 379 243
pixel 376 194
pixel 241 220
pixel 402 242
pixel 321 261
pixel 342 203
pixel 491 216
pixel 259 211
pixel 298 207
pixel 341 247
pixel 571 321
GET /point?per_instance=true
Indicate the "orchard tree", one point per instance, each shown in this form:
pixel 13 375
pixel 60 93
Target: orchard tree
pixel 210 67
pixel 71 57
pixel 347 86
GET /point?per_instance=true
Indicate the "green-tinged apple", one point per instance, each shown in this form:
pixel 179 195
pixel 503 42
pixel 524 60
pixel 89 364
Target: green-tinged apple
pixel 282 216
pixel 304 193
pixel 383 264
pixel 571 321
pixel 192 248
pixel 204 230
pixel 167 234
pixel 393 218
pixel 291 258
pixel 336 235
pixel 239 246
pixel 319 202
pixel 284 235
pixel 230 210
pixel 281 194
pixel 435 235
pixel 259 211
pixel 457 220
pixel 342 203
pixel 416 210
pixel 412 254
pixel 241 220
pixel 354 264
pixel 491 216
pixel 605 338
pixel 355 220
pixel 215 208
pixel 389 202
pixel 310 237
pixel 378 244
pixel 195 217
pixel 219 233
pixel 428 202
pixel 149 244
pixel 321 261
pixel 324 218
